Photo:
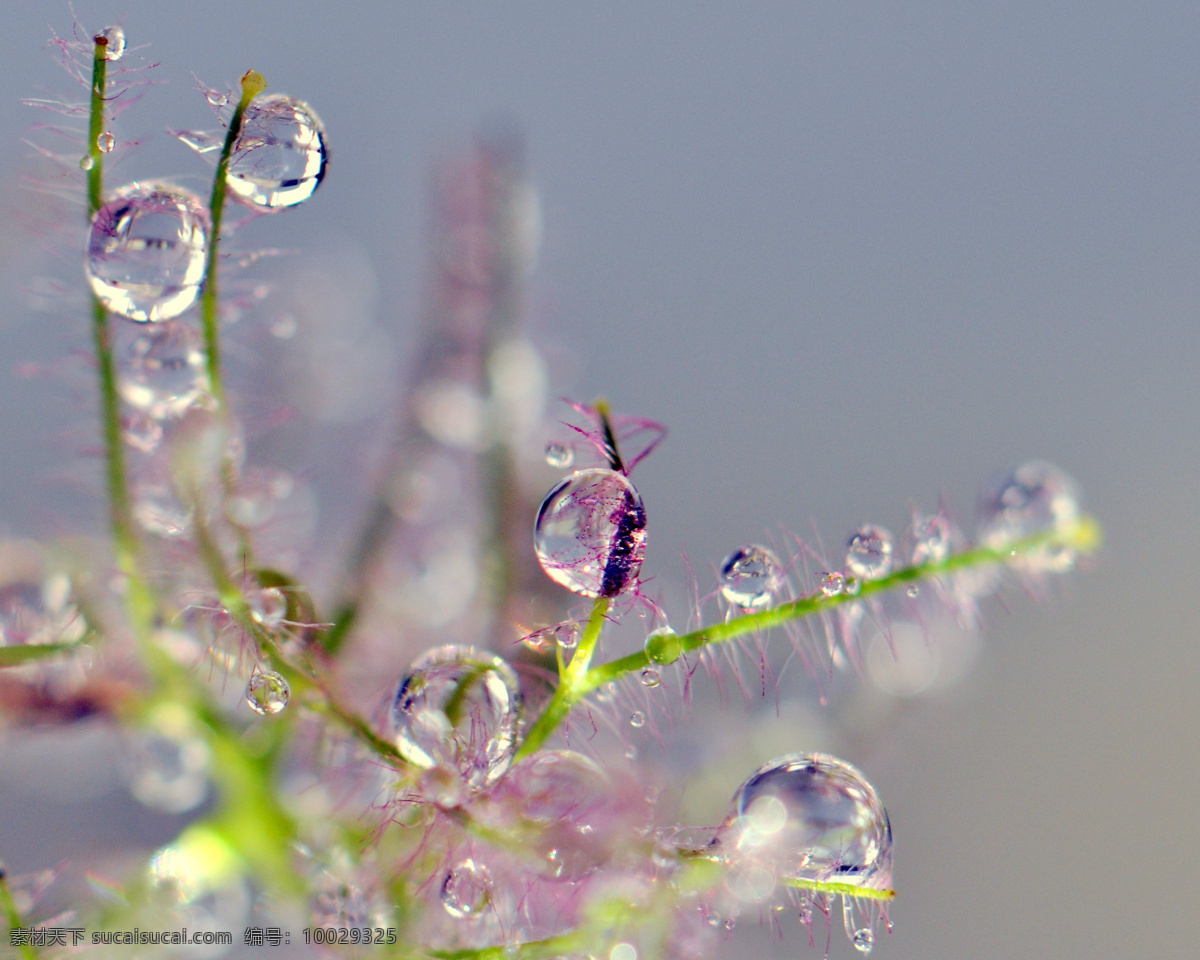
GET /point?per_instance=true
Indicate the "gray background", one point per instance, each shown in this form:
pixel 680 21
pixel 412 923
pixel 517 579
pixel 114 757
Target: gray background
pixel 854 255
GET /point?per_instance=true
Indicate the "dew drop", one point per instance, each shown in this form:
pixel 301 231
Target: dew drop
pixel 267 606
pixel 932 538
pixel 168 770
pixel 637 719
pixel 146 250
pixel 340 904
pixel 853 586
pixel 864 940
pixel 216 98
pixel 161 370
pixel 663 646
pixel 869 552
pixel 457 709
pixel 566 634
pixel 279 157
pixel 35 609
pixel 832 584
pixel 267 693
pixel 590 533
pixel 560 455
pixel 114 39
pixel 813 818
pixel 913 590
pixel 651 677
pixel 1034 498
pixel 105 142
pixel 466 890
pixel 750 576
pixel 86 162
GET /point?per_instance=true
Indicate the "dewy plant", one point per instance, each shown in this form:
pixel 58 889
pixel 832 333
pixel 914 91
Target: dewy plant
pixel 491 803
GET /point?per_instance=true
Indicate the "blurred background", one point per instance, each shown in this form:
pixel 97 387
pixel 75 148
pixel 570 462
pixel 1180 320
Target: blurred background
pixel 856 257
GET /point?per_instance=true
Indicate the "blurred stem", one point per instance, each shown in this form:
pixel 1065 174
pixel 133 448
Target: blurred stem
pixel 252 85
pixel 12 916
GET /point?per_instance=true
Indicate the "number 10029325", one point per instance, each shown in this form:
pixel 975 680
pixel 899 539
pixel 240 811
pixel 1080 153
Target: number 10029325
pixel 363 935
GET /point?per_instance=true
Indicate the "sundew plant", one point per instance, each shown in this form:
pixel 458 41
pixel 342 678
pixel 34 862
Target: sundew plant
pixel 440 749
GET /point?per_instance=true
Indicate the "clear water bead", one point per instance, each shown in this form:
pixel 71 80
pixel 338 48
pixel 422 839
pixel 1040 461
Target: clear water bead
pixel 279 157
pixel 590 533
pixel 267 693
pixel 932 539
pixel 864 939
pixel 267 606
pixel 1034 498
pixel 105 142
pixel 750 576
pixel 869 552
pixel 651 677
pixel 560 455
pixel 86 162
pixel 810 817
pixel 637 719
pixel 663 646
pixel 466 890
pixel 160 372
pixel 114 40
pixel 458 709
pixel 832 584
pixel 146 250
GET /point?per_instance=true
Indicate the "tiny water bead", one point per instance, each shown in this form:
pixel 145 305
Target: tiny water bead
pixel 831 584
pixel 279 157
pixel 267 693
pixel 750 577
pixel 466 890
pixel 637 719
pixel 932 539
pixel 458 709
pixel 663 646
pixel 105 142
pixel 590 533
pixel 811 818
pixel 560 455
pixel 1034 498
pixel 146 250
pixel 86 162
pixel 160 370
pixel 869 552
pixel 114 43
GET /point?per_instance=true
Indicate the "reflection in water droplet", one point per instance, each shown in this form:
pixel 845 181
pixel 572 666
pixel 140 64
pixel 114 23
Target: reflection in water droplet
pixel 146 250
pixel 663 646
pixel 869 552
pixel 810 817
pixel 1034 498
pixel 560 455
pixel 567 634
pixel 637 719
pixel 832 584
pixel 267 693
pixel 114 38
pixel 750 577
pixel 458 709
pixel 161 371
pixel 466 890
pixel 651 677
pixel 590 533
pixel 105 142
pixel 864 939
pixel 279 158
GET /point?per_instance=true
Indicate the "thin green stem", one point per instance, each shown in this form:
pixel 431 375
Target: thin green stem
pixel 95 174
pixel 12 916
pixel 252 85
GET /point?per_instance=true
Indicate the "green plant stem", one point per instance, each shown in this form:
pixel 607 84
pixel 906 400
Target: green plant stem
pixel 12 916
pixel 95 174
pixel 252 85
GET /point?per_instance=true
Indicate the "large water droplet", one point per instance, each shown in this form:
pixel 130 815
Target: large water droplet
pixel 750 576
pixel 663 646
pixel 869 552
pixel 810 817
pixel 267 693
pixel 466 890
pixel 1034 498
pixel 161 371
pixel 105 142
pixel 279 157
pixel 590 533
pixel 458 709
pixel 146 250
pixel 560 455
pixel 114 39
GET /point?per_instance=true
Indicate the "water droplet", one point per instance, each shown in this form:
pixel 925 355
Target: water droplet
pixel 560 455
pixel 590 533
pixel 267 693
pixel 168 770
pixel 864 939
pixel 216 98
pixel 158 510
pixel 283 328
pixel 86 162
pixel 637 719
pixel 623 951
pixel 458 709
pixel 566 634
pixel 750 577
pixel 932 538
pixel 810 817
pixel 651 677
pixel 267 606
pixel 114 38
pixel 279 157
pixel 105 142
pixel 466 890
pixel 160 372
pixel 631 752
pixel 341 904
pixel 1034 498
pixel 146 250
pixel 35 608
pixel 831 584
pixel 869 552
pixel 663 646
pixel 913 590
pixel 853 586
